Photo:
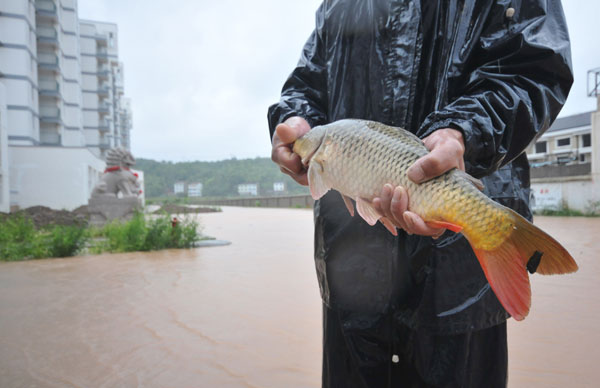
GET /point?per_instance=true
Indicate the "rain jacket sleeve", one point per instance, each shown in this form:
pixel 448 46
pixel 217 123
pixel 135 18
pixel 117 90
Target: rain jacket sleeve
pixel 515 80
pixel 304 93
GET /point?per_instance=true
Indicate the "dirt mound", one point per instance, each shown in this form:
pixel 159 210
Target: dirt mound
pixel 42 216
pixel 182 209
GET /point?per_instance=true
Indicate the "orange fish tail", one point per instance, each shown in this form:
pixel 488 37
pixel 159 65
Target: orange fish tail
pixel 505 265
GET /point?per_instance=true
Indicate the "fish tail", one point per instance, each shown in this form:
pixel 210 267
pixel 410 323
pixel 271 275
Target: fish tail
pixel 505 266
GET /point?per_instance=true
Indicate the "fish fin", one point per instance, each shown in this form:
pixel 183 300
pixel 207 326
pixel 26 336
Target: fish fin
pixel 471 179
pixel 446 225
pixel 528 239
pixel 317 185
pixel 505 266
pixel 367 211
pixel 508 278
pixel 388 225
pixel 349 204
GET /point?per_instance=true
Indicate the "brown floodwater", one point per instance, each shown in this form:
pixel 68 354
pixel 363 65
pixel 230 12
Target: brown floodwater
pixel 247 314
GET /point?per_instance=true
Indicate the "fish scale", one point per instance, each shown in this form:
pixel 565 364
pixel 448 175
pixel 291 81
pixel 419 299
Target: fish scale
pixel 358 157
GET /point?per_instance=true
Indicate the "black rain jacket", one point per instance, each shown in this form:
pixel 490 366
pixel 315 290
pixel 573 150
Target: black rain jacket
pixel 498 76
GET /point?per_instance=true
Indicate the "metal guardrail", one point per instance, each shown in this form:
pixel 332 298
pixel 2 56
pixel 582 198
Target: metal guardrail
pixel 288 201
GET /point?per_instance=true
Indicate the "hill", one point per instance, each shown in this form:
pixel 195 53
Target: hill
pixel 219 179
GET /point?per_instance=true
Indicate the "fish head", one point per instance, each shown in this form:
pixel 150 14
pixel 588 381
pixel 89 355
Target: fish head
pixel 308 144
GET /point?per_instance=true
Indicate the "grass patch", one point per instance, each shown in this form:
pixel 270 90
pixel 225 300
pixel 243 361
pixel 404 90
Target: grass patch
pixel 20 240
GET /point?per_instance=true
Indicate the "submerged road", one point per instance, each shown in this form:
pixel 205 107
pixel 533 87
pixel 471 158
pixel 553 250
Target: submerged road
pixel 247 314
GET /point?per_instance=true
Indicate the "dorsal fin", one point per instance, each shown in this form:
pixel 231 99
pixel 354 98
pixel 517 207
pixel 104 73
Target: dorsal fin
pixel 474 181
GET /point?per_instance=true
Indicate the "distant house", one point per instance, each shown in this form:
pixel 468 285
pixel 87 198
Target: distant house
pixel 248 189
pixel 194 189
pixel 179 188
pixel 279 187
pixel 565 164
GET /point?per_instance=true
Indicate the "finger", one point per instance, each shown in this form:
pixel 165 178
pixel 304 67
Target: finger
pixel 416 225
pixel 285 158
pixel 399 205
pixel 434 164
pixel 301 178
pixel 386 199
pixel 286 133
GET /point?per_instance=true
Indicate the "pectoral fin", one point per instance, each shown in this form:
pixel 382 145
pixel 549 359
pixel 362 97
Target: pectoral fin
pixel 367 211
pixel 317 185
pixel 389 226
pixel 349 204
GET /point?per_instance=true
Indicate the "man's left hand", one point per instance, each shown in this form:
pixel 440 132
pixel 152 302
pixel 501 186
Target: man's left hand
pixel 447 149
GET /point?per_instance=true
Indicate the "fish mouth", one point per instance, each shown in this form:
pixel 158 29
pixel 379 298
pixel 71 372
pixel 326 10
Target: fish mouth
pixel 300 148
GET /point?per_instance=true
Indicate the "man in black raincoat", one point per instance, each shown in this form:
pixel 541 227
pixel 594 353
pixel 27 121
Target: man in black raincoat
pixel 479 81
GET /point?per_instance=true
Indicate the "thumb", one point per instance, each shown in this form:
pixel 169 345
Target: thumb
pixel 286 133
pixel 426 168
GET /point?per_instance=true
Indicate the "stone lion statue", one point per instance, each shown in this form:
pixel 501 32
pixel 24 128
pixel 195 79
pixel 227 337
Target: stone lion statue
pixel 118 180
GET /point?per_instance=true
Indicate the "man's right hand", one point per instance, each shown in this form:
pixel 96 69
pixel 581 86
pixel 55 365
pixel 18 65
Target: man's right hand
pixel 284 137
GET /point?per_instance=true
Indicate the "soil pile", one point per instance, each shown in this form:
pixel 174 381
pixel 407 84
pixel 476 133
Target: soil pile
pixel 42 216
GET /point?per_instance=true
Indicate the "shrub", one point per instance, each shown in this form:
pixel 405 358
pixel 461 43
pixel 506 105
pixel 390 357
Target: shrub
pixel 19 240
pixel 139 234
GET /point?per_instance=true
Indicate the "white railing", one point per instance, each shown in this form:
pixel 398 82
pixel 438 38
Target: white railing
pixel 46 32
pixel 49 111
pixel 47 59
pixel 45 5
pixel 48 85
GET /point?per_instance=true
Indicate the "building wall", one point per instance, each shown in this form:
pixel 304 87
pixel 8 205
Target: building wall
pixel 4 180
pixel 107 114
pixel 18 69
pixel 66 183
pixel 62 78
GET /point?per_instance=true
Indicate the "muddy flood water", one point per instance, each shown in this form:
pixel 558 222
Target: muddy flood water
pixel 247 314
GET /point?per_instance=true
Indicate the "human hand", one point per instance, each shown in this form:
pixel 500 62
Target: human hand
pixel 446 151
pixel 446 148
pixel 284 137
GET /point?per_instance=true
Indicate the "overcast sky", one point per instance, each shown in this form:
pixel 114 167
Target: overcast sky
pixel 201 73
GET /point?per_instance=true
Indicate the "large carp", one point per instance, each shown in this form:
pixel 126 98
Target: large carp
pixel 358 157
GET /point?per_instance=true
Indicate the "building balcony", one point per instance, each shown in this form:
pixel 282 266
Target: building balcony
pixel 103 72
pixel 50 136
pixel 48 61
pixel 101 51
pixel 103 89
pixel 103 125
pixel 49 87
pixel 50 114
pixel 104 107
pixel 47 34
pixel 46 8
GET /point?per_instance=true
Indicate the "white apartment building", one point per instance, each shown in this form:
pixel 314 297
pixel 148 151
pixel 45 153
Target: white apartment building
pixel 194 189
pixel 565 164
pixel 179 188
pixel 248 189
pixel 106 114
pixel 63 89
pixel 279 187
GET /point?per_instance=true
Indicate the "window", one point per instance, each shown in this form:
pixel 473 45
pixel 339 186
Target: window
pixel 582 158
pixel 564 142
pixel 540 147
pixel 586 140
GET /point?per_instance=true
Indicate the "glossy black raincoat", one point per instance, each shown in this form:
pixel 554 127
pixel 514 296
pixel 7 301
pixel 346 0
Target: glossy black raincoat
pixel 497 70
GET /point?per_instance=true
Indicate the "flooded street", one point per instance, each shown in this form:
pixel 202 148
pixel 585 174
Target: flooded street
pixel 247 314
